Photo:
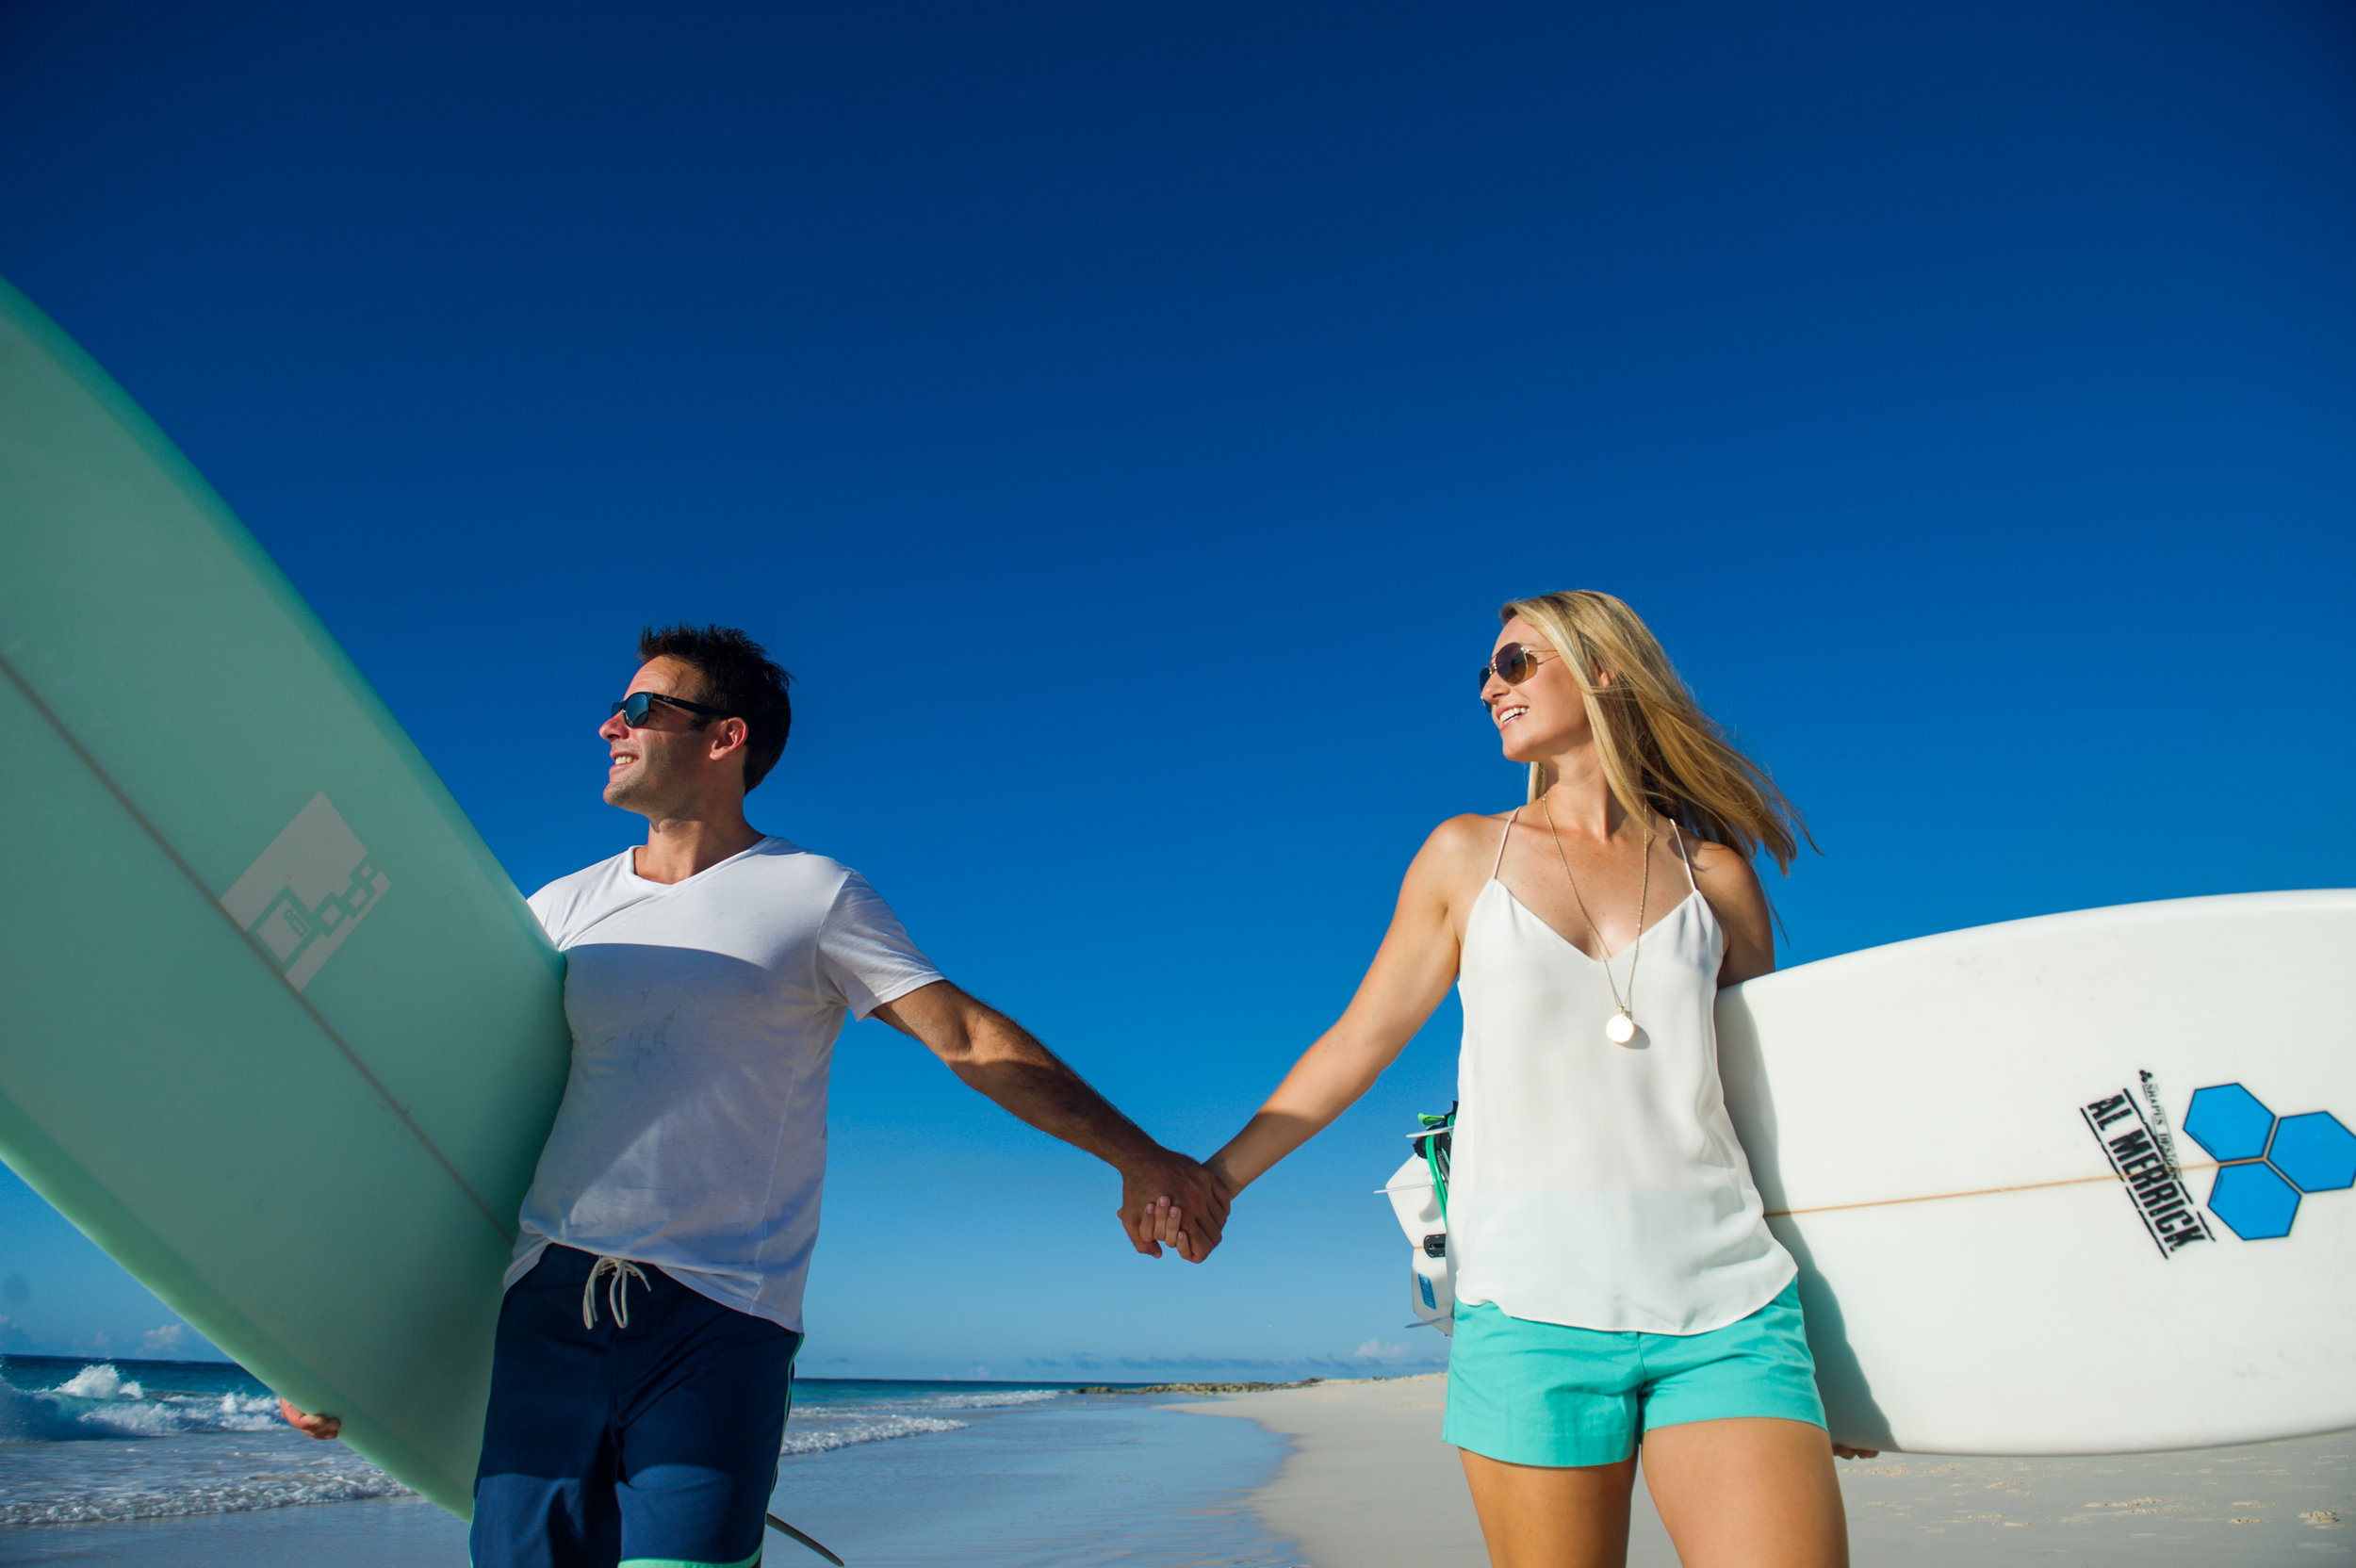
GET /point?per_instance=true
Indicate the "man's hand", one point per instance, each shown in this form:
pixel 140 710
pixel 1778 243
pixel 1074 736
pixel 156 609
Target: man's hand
pixel 1175 1202
pixel 321 1427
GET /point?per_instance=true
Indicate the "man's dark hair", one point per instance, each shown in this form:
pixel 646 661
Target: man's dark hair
pixel 739 678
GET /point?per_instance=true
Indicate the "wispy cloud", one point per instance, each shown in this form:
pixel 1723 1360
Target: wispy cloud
pixel 164 1343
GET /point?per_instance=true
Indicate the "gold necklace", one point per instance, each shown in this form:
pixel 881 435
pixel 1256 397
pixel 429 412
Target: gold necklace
pixel 1622 1027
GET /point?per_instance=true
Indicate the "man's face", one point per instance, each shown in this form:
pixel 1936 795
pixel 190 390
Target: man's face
pixel 662 769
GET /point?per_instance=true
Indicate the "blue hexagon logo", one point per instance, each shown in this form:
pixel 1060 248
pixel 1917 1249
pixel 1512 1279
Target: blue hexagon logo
pixel 2314 1151
pixel 2255 1204
pixel 2229 1121
pixel 2265 1163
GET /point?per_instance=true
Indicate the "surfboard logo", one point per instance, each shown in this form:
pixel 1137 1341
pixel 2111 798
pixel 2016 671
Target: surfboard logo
pixel 2266 1164
pixel 307 893
pixel 2144 1157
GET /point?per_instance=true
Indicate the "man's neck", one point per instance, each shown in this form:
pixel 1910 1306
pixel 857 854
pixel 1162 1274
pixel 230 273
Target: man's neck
pixel 678 847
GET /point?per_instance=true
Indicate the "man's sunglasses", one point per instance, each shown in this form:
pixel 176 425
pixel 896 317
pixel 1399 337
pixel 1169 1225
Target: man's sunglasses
pixel 635 706
pixel 1512 664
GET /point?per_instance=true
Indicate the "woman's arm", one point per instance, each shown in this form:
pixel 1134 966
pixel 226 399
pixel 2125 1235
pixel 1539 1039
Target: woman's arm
pixel 1411 972
pixel 1727 881
pixel 1731 886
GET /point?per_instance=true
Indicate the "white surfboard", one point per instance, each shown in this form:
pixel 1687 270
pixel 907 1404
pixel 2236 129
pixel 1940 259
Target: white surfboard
pixel 2073 1185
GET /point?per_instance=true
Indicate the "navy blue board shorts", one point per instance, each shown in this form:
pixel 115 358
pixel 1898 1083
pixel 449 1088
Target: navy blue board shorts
pixel 650 1443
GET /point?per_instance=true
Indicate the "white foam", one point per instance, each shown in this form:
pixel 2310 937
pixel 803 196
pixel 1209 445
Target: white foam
pixel 826 1433
pixel 823 1427
pixel 98 1380
pixel 98 1403
pixel 1003 1399
pixel 343 1485
pixel 98 1447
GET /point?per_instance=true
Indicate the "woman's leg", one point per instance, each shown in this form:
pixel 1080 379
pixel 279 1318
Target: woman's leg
pixel 1745 1492
pixel 1546 1516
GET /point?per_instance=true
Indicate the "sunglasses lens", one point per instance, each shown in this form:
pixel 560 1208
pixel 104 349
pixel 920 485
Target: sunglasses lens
pixel 633 710
pixel 1513 664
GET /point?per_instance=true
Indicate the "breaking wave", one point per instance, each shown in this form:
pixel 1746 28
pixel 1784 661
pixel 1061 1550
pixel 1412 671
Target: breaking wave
pixel 98 1441
pixel 98 1403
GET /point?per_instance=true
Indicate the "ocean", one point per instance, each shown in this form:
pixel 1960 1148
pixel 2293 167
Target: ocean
pixel 160 1463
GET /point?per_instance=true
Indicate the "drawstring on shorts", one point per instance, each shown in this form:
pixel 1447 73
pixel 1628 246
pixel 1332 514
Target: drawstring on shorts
pixel 616 1273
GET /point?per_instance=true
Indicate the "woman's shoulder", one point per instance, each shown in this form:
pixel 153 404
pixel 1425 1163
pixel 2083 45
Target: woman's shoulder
pixel 1473 835
pixel 1713 858
pixel 1455 862
pixel 1458 848
pixel 1731 884
pixel 1720 869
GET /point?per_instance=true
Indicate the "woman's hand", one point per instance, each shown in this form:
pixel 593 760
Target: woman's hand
pixel 1842 1450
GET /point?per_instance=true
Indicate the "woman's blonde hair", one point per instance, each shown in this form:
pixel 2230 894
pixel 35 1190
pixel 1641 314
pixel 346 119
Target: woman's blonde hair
pixel 1658 748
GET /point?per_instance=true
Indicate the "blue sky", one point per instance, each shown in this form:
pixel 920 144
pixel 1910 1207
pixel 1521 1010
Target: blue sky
pixel 1124 421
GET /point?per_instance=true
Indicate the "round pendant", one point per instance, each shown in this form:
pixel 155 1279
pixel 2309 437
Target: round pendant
pixel 1622 1028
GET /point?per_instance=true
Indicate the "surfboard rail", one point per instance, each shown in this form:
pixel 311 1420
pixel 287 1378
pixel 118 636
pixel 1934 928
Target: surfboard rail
pixel 285 1039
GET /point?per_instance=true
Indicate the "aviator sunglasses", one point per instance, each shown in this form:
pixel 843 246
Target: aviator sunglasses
pixel 635 706
pixel 1512 664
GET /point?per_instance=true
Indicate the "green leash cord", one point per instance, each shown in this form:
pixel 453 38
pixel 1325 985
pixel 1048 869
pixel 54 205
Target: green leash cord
pixel 1434 1145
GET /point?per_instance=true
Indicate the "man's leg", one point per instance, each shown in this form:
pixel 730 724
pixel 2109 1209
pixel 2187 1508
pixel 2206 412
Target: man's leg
pixel 544 1492
pixel 702 1420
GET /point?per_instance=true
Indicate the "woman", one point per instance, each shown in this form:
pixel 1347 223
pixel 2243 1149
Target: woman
pixel 1615 1280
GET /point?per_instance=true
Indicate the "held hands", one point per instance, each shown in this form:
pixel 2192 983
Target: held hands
pixel 1171 1200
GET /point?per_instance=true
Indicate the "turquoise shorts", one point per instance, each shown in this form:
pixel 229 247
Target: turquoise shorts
pixel 1542 1394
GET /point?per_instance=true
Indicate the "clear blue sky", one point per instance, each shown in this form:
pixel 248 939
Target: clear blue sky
pixel 1124 421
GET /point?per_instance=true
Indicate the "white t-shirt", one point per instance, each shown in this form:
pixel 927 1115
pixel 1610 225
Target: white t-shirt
pixel 693 1133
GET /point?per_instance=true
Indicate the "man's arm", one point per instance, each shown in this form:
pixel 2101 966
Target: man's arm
pixel 998 1056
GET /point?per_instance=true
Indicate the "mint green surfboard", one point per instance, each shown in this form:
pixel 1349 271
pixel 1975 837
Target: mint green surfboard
pixel 280 1035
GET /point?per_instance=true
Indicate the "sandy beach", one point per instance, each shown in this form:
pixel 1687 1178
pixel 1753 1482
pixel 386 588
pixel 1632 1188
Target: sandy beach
pixel 1369 1484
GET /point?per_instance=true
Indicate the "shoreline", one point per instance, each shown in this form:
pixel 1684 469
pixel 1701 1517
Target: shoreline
pixel 1048 1483
pixel 1332 1474
pixel 1369 1484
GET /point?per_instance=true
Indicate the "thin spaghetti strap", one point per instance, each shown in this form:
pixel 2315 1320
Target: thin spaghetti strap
pixel 1501 838
pixel 1694 886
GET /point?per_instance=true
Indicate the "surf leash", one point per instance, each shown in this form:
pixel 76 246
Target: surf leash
pixel 1432 1143
pixel 782 1528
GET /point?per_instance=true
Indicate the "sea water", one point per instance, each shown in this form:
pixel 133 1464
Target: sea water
pixel 165 1462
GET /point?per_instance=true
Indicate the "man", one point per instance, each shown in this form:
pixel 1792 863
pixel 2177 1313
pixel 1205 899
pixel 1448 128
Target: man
pixel 646 1342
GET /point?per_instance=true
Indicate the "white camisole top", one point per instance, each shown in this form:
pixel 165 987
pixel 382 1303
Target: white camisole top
pixel 1593 1185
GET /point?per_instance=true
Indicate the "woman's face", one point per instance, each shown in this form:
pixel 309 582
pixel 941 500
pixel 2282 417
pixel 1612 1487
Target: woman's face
pixel 1544 715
